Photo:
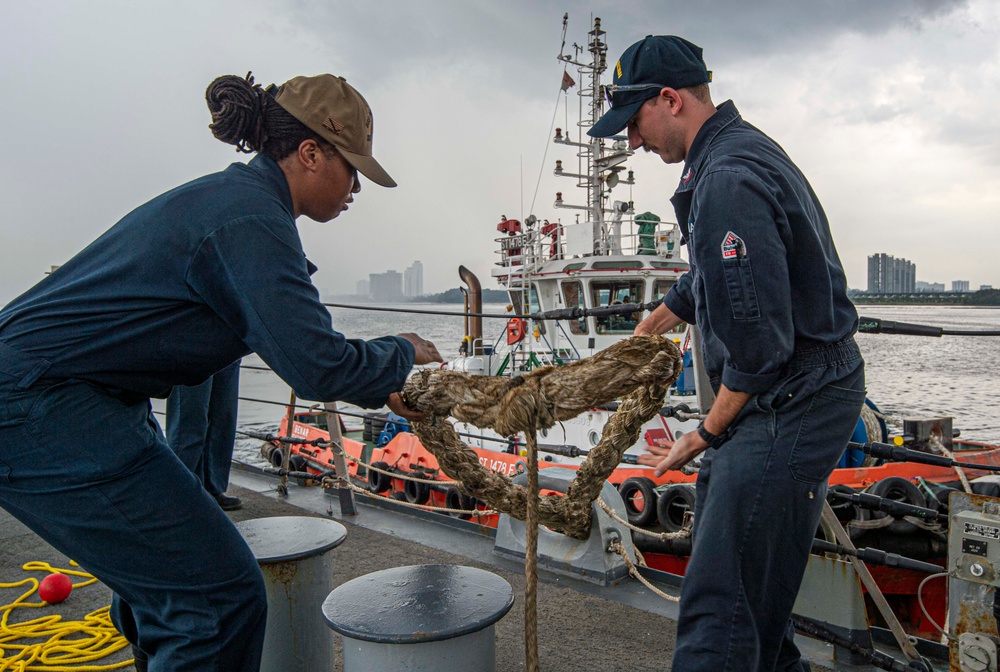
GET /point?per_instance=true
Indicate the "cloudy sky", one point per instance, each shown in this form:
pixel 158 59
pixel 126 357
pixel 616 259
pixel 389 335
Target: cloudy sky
pixel 888 106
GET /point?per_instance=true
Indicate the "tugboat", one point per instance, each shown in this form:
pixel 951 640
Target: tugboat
pixel 604 266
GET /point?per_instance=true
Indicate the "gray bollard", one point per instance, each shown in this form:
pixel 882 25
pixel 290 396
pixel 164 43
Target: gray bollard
pixel 421 618
pixel 292 552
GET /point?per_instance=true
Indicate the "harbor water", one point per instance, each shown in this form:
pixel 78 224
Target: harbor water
pixel 911 376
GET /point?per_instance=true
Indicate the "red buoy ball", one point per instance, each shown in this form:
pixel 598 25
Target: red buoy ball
pixel 55 588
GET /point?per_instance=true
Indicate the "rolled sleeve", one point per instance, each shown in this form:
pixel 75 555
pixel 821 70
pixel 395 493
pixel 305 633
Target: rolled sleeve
pixel 740 255
pixel 254 274
pixel 680 299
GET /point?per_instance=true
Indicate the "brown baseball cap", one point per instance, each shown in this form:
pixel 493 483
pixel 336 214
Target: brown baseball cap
pixel 335 111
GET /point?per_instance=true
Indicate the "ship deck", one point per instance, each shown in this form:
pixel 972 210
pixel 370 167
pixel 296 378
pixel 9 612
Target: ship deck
pixel 582 626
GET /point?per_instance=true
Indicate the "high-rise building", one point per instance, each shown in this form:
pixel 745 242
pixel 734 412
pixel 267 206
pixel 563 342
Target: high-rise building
pixel 959 285
pixel 386 286
pixel 888 275
pixel 364 288
pixel 413 280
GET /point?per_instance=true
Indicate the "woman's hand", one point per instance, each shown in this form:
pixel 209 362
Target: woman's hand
pixel 397 406
pixel 424 352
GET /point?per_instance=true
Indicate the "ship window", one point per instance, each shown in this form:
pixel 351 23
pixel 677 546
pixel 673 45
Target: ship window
pixel 515 302
pixel 612 292
pixel 535 307
pixel 613 265
pixel 574 267
pixel 660 288
pixel 532 307
pixel 573 297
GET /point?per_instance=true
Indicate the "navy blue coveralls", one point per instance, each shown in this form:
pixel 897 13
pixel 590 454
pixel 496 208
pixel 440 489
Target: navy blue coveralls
pixel 178 289
pixel 768 292
pixel 201 426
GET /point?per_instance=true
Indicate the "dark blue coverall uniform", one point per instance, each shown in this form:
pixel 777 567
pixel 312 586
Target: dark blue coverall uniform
pixel 768 292
pixel 201 426
pixel 178 289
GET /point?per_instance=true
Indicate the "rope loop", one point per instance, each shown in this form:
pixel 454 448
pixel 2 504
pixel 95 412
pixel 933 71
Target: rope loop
pixel 638 370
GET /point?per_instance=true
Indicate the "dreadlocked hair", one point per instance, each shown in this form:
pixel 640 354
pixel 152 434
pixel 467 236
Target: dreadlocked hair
pixel 246 114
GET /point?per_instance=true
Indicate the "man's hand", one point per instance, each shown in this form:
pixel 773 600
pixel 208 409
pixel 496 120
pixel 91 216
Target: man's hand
pixel 675 455
pixel 424 352
pixel 397 406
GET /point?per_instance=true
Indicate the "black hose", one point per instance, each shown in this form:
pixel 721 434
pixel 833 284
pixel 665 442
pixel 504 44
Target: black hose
pixel 876 658
pixel 873 325
pixel 876 556
pixel 892 507
pixel 892 453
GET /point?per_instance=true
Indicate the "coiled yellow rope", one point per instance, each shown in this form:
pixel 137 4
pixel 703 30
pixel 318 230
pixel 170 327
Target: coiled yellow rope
pixel 50 644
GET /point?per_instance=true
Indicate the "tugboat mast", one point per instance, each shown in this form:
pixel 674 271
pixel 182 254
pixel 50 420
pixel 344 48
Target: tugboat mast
pixel 601 172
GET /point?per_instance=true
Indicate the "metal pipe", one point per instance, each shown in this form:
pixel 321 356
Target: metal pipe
pixel 465 311
pixel 475 330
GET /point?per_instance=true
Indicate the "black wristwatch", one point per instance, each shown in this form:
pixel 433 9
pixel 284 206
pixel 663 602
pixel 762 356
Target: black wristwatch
pixel 713 440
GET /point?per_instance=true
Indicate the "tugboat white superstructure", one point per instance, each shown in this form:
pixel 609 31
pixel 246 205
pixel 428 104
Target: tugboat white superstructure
pixel 607 255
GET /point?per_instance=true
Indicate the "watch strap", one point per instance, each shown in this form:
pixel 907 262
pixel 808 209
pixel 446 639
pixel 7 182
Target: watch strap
pixel 713 440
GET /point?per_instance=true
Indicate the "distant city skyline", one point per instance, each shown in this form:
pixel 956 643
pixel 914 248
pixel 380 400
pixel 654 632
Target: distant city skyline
pixel 889 275
pixel 392 285
pixel 413 280
pixel 895 275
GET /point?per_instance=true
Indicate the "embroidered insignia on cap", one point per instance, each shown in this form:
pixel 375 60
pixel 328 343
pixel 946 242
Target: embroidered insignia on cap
pixel 333 125
pixel 732 246
pixel 618 69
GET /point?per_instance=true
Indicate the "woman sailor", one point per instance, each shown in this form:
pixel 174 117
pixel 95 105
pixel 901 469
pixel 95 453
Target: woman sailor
pixel 175 291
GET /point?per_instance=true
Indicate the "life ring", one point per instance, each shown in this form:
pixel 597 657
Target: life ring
pixel 515 330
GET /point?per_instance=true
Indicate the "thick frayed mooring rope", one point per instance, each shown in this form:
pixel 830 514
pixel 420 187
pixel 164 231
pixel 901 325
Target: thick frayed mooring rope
pixel 639 369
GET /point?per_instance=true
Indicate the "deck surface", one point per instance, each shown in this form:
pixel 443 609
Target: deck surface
pixel 581 627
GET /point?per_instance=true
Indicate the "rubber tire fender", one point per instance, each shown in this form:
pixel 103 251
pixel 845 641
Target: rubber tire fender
pixel 454 499
pixel 901 490
pixel 276 458
pixel 297 462
pixel 844 510
pixel 674 502
pixel 415 491
pixel 377 481
pixel 639 486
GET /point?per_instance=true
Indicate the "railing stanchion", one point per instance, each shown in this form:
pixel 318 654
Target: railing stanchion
pixel 344 494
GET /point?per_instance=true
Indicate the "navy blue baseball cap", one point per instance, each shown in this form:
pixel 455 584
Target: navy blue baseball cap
pixel 649 65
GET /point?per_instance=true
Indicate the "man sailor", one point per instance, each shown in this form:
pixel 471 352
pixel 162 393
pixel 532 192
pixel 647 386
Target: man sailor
pixel 768 292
